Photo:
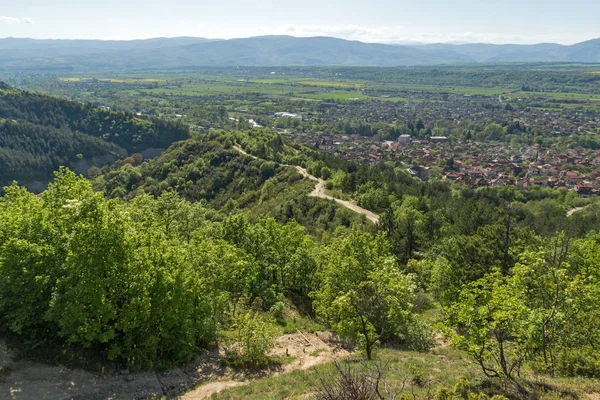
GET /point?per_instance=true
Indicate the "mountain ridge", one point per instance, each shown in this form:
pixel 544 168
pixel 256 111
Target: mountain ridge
pixel 273 50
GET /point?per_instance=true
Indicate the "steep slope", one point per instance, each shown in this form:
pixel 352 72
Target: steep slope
pixel 40 133
pixel 124 129
pixel 207 168
pixel 29 152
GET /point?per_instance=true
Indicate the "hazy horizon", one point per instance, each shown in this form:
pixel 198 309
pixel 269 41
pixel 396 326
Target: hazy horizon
pixel 377 21
pixel 400 42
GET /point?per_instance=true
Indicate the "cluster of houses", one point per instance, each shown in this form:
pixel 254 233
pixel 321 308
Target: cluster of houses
pixel 473 164
pixel 544 115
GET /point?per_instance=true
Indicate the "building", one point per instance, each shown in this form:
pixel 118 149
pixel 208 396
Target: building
pixel 287 115
pixel 404 140
pixel 418 172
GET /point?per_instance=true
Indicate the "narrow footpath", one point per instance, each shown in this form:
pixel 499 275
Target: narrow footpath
pixel 320 190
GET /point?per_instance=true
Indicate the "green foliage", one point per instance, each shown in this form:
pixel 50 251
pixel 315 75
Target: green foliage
pixel 124 129
pixel 41 133
pixel 490 322
pixel 267 169
pixel 462 388
pixel 362 294
pixel 545 310
pixel 29 152
pixel 78 268
pixel 254 339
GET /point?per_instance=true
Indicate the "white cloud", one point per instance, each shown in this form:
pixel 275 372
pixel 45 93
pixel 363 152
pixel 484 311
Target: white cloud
pixel 13 20
pixel 9 20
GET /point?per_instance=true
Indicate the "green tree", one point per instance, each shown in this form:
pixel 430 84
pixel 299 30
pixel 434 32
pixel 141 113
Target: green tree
pixel 254 338
pixel 362 294
pixel 490 321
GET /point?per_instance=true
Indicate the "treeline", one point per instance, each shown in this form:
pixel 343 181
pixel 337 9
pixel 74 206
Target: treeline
pixel 39 133
pixel 124 129
pixel 28 152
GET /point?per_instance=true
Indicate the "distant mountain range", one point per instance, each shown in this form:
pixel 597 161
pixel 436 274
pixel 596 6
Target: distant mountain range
pixel 271 51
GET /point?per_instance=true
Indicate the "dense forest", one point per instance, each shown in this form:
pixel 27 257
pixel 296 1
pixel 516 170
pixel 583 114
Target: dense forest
pixel 31 152
pixel 39 133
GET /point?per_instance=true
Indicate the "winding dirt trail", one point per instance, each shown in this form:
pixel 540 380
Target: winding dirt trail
pixel 320 190
pixel 307 350
pixel 24 379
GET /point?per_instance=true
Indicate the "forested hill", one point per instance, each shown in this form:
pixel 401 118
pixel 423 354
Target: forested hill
pixel 271 51
pixel 205 168
pixel 39 133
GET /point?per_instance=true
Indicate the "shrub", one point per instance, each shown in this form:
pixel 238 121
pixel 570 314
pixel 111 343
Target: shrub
pixel 419 336
pixel 277 311
pixel 356 384
pixel 254 338
pixel 578 362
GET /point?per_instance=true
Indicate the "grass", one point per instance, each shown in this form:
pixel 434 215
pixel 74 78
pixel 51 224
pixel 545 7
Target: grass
pixel 560 96
pixel 74 79
pixel 444 365
pixel 292 87
pixel 301 323
pixel 424 373
pixel 334 94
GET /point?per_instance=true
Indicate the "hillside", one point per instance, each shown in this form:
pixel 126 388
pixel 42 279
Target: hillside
pixel 39 133
pixel 241 263
pixel 207 169
pixel 271 51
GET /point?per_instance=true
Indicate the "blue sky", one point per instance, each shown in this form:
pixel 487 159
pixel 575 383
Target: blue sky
pixel 507 21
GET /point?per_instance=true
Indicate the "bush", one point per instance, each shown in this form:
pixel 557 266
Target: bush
pixel 77 269
pixel 356 384
pixel 277 311
pixel 254 337
pixel 462 388
pixel 417 375
pixel 578 362
pixel 419 336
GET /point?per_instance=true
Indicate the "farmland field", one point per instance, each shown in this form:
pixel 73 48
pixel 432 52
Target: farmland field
pixel 314 84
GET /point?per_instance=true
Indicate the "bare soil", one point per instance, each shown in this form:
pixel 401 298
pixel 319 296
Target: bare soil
pixel 574 210
pixel 25 379
pixel 306 350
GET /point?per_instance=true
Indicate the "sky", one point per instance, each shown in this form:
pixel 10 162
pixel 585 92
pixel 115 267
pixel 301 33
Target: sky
pixel 382 21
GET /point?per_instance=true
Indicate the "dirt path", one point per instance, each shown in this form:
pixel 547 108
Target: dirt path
pixel 574 210
pixel 22 379
pixel 320 190
pixel 308 350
